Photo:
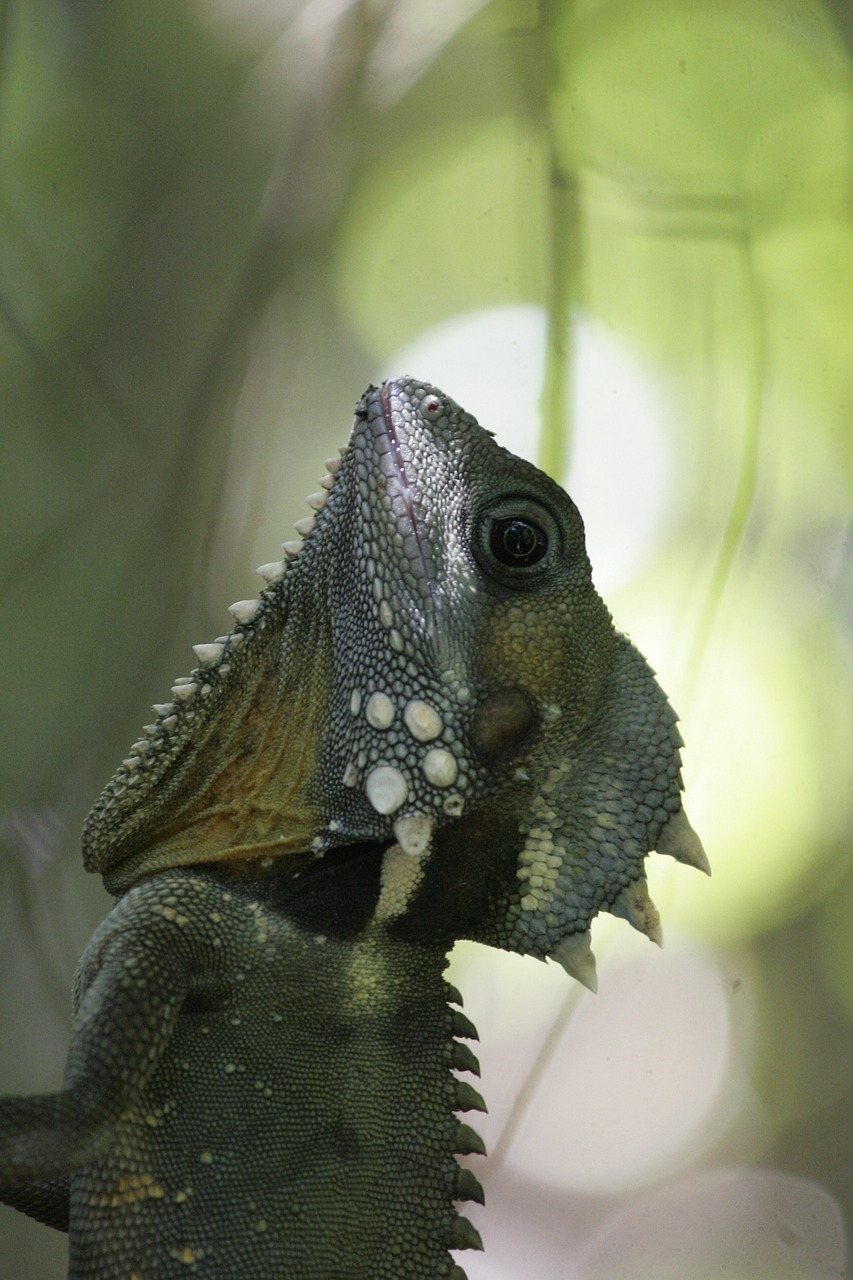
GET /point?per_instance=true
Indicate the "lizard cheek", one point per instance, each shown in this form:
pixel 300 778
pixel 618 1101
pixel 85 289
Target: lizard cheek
pixel 502 722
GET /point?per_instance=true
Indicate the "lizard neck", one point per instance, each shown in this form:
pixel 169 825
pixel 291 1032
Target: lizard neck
pixel 371 1044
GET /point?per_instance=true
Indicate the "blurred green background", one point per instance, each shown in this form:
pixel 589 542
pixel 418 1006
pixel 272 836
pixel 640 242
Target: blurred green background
pixel 620 233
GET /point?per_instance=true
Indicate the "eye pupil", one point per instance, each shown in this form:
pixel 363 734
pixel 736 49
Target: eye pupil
pixel 517 541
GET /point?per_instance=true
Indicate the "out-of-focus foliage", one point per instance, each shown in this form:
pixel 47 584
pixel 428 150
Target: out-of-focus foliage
pixel 219 219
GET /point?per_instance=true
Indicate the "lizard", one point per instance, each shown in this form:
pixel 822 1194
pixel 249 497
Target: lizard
pixel 425 728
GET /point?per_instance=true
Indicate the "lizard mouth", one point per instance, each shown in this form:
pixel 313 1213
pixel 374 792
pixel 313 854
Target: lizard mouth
pixel 407 494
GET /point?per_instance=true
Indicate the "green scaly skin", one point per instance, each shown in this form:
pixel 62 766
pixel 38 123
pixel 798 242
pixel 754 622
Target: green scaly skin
pixel 426 729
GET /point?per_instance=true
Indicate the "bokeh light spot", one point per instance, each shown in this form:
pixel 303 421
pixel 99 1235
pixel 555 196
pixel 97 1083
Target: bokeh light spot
pixel 744 1224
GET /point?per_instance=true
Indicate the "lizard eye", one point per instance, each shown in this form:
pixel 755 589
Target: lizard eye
pixel 517 541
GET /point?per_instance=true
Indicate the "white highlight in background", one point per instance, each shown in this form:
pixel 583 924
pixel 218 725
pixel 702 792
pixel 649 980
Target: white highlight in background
pixel 631 1088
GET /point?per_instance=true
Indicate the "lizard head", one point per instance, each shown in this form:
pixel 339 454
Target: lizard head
pixel 430 668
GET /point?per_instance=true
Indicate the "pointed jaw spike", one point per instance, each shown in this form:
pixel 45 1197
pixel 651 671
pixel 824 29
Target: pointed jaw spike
pixel 575 955
pixel 635 906
pixel 678 840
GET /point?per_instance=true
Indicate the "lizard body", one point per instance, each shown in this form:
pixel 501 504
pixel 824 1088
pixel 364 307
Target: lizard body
pixel 426 728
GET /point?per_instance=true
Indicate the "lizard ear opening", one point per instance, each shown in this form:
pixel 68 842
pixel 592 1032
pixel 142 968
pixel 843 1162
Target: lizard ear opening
pixel 502 723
